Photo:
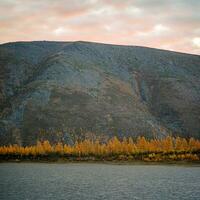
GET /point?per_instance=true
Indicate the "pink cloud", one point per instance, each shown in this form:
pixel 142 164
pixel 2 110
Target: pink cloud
pixel 168 25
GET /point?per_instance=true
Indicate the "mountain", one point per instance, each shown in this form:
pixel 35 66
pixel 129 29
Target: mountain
pixel 68 90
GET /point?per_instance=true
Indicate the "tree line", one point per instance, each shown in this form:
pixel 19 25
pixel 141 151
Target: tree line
pixel 168 148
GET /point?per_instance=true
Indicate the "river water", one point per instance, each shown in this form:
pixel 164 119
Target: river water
pixel 98 181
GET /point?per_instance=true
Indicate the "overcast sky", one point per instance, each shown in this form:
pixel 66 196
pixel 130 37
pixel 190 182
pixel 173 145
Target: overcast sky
pixel 166 24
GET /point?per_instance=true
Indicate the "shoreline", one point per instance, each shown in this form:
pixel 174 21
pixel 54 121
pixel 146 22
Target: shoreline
pixel 146 158
pixel 113 162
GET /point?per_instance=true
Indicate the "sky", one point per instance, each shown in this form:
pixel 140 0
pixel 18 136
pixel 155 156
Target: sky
pixel 165 24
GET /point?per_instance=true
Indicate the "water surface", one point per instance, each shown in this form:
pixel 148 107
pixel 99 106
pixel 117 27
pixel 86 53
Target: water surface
pixel 98 181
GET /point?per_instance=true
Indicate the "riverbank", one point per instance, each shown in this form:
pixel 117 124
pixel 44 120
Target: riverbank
pixel 145 158
pixel 114 162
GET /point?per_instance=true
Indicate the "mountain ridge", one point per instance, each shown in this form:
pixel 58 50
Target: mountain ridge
pixel 97 43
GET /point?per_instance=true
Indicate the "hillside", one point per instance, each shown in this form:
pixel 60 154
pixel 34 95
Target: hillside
pixel 65 90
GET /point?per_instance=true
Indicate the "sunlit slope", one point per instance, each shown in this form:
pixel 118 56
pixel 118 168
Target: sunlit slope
pixel 71 88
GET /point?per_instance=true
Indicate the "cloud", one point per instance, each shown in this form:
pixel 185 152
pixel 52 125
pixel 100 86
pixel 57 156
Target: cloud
pixel 59 31
pixel 172 24
pixel 160 28
pixel 196 41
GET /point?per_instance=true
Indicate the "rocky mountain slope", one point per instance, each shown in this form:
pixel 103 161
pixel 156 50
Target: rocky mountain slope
pixel 65 90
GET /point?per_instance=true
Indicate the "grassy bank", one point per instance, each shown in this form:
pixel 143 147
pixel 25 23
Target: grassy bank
pixel 173 157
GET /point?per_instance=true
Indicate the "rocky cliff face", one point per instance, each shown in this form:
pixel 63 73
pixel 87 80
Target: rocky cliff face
pixel 64 90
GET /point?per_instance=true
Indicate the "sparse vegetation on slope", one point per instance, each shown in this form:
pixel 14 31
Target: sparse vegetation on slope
pixel 116 90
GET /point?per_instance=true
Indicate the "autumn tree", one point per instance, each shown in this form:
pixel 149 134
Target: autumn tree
pixel 167 144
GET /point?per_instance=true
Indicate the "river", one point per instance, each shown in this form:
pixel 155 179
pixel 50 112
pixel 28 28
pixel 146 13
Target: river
pixel 84 181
